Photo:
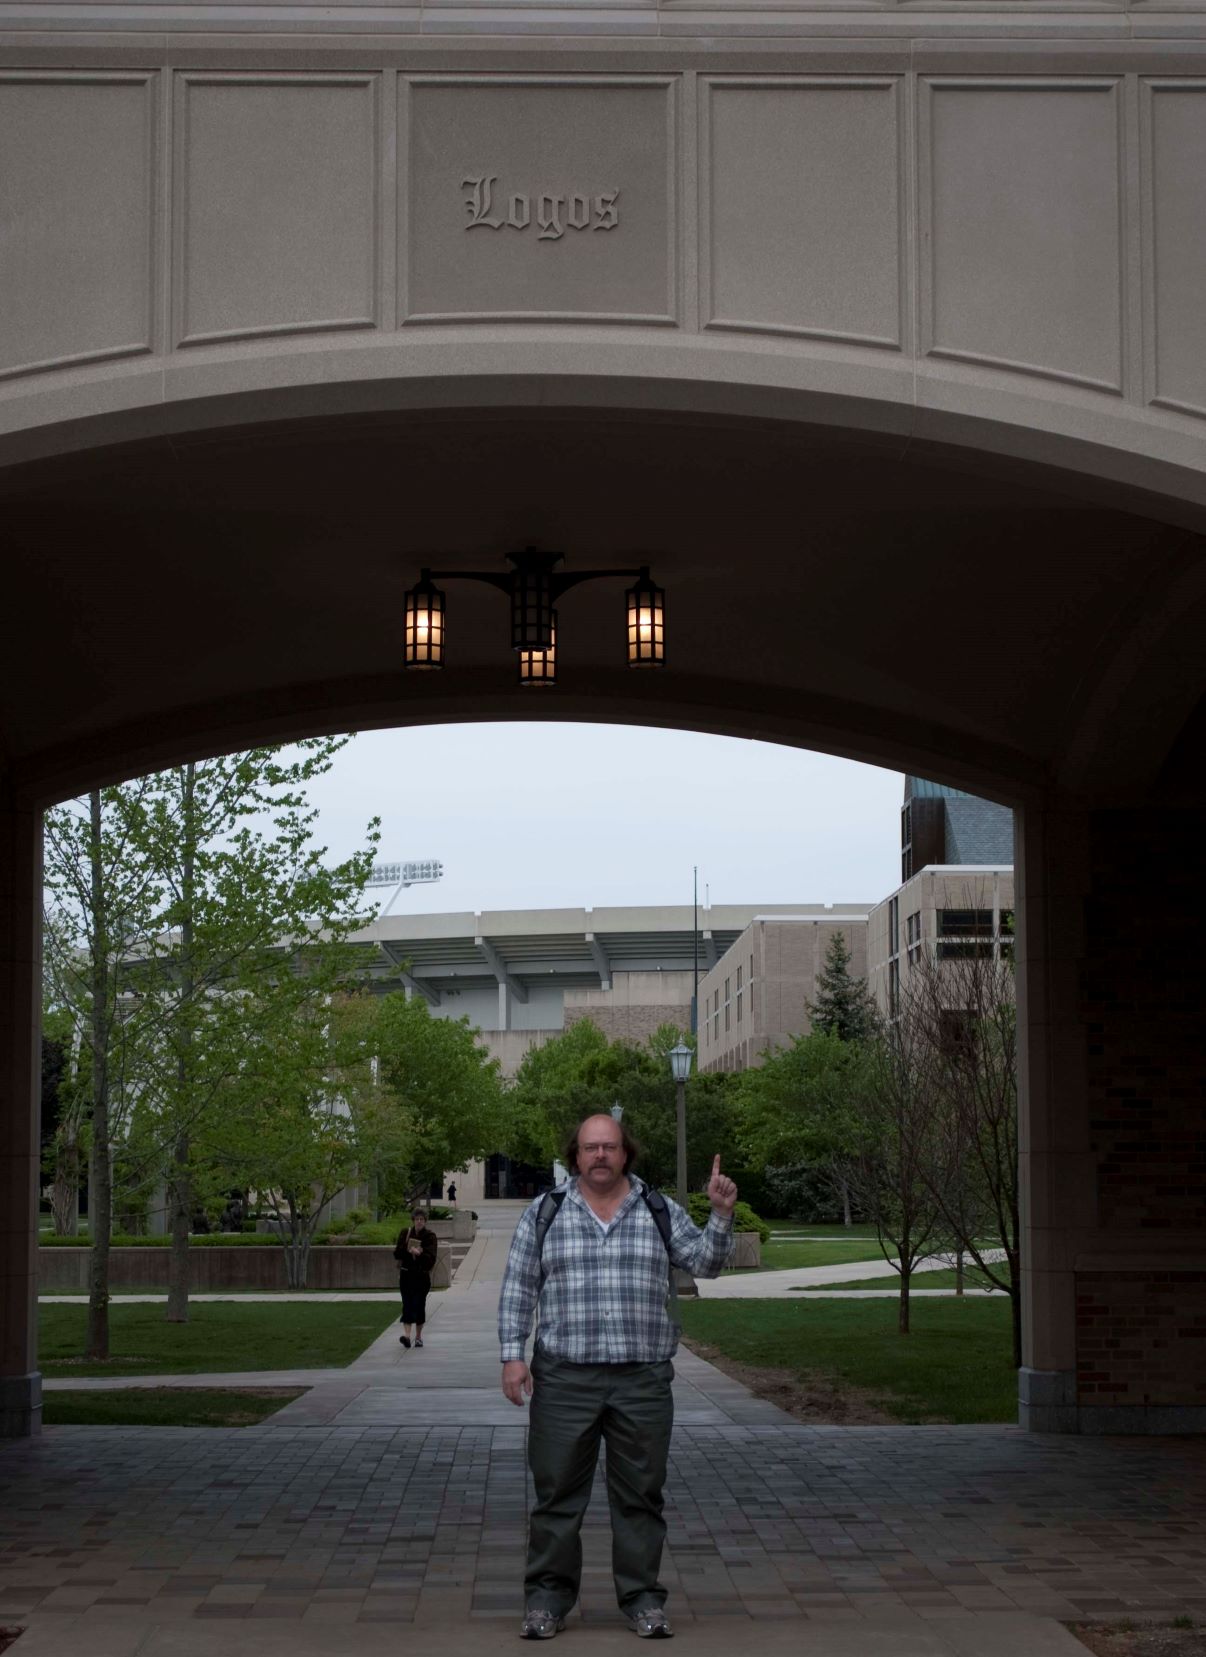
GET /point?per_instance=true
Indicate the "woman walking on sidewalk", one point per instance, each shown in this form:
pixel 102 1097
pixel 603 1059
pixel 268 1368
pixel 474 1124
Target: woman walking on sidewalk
pixel 415 1252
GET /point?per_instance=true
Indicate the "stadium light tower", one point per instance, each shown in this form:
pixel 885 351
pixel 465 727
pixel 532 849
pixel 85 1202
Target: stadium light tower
pixel 419 872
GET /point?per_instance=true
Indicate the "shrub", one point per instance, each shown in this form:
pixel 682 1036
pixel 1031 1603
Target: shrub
pixel 804 1192
pixel 744 1218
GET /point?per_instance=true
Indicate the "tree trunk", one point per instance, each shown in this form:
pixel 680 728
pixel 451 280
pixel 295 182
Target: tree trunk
pixel 903 1320
pixel 844 1188
pixel 100 1190
pixel 297 1262
pixel 180 1185
pixel 180 1192
pixel 65 1192
pixel 959 1271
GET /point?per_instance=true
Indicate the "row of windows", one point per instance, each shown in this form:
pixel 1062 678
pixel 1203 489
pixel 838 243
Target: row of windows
pixel 731 1004
pixel 963 934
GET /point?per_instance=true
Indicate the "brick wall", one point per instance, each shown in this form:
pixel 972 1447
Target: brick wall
pixel 1145 991
pixel 634 1023
pixel 1139 1338
pixel 1140 1333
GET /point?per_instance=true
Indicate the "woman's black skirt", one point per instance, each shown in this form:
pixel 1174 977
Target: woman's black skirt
pixel 414 1298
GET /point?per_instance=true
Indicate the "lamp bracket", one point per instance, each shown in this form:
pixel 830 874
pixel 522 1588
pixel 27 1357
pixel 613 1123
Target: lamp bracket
pixel 558 584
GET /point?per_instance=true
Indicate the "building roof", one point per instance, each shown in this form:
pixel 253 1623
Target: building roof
pixel 565 948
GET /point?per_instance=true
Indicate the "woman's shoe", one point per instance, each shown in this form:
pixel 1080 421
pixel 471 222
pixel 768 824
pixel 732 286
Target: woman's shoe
pixel 418 1340
pixel 405 1339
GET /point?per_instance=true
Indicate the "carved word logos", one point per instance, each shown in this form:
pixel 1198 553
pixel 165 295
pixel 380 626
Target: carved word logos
pixel 553 215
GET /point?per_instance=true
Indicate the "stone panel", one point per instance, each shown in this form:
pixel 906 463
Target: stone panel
pixel 77 169
pixel 1020 233
pixel 801 185
pixel 1175 243
pixel 539 198
pixel 277 205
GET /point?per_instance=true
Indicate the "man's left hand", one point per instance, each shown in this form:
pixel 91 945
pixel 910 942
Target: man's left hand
pixel 722 1193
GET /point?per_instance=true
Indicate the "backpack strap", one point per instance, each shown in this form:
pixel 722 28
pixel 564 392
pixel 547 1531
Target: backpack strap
pixel 550 1207
pixel 656 1204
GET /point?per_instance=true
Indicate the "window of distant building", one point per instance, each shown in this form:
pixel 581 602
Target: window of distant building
pixel 1005 938
pixel 906 844
pixel 913 937
pixel 893 989
pixel 739 995
pixel 893 926
pixel 964 933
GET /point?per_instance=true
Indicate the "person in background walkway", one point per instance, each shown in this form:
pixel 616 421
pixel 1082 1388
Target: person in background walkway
pixel 415 1252
pixel 597 1272
pixel 452 1194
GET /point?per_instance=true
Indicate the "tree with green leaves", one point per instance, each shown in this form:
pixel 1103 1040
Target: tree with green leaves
pixel 582 1073
pixel 252 931
pixel 101 902
pixel 801 1106
pixel 299 1122
pixel 844 1006
pixel 437 1095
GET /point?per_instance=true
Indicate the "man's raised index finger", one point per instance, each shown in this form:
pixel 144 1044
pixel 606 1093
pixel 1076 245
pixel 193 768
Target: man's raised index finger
pixel 715 1165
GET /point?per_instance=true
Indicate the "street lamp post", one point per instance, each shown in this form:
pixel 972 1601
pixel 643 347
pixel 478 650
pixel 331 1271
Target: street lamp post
pixel 680 1068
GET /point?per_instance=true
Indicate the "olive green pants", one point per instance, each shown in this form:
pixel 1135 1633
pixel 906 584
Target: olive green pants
pixel 574 1406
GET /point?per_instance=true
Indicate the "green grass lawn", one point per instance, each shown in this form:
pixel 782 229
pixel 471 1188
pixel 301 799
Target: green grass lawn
pixel 956 1365
pixel 165 1407
pixel 219 1336
pixel 972 1279
pixel 841 1251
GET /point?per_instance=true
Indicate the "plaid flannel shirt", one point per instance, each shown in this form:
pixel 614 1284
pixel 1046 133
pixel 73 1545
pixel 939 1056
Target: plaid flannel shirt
pixel 602 1295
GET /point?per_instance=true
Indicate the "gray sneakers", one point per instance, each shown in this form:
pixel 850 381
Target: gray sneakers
pixel 539 1623
pixel 652 1624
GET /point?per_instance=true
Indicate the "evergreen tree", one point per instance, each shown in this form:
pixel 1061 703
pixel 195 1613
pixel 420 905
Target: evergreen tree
pixel 843 1007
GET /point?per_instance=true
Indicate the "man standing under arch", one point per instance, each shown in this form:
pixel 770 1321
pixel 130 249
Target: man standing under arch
pixel 594 1260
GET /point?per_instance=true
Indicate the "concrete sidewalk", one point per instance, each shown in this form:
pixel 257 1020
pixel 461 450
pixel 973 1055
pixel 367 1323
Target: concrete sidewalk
pixel 395 1494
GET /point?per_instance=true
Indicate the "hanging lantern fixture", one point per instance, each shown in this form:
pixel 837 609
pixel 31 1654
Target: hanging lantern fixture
pixel 646 622
pixel 533 586
pixel 424 624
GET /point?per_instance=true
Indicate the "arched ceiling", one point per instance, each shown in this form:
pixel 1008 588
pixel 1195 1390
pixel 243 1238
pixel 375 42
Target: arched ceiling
pixel 970 618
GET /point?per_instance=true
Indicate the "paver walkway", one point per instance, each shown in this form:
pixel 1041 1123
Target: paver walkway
pixel 388 1507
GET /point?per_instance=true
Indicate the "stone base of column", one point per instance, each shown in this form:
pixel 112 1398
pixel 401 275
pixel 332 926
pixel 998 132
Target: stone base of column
pixel 1047 1404
pixel 20 1405
pixel 1047 1401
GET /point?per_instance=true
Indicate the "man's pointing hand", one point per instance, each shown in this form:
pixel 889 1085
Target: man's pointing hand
pixel 722 1193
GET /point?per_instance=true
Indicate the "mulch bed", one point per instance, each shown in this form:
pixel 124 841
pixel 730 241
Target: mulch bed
pixel 1140 1640
pixel 816 1399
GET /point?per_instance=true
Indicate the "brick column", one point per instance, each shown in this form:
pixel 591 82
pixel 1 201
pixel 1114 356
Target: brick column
pixel 1112 976
pixel 1057 1175
pixel 20 1097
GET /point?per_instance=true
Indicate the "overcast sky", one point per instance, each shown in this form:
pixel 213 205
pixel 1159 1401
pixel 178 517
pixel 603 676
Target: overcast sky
pixel 540 816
